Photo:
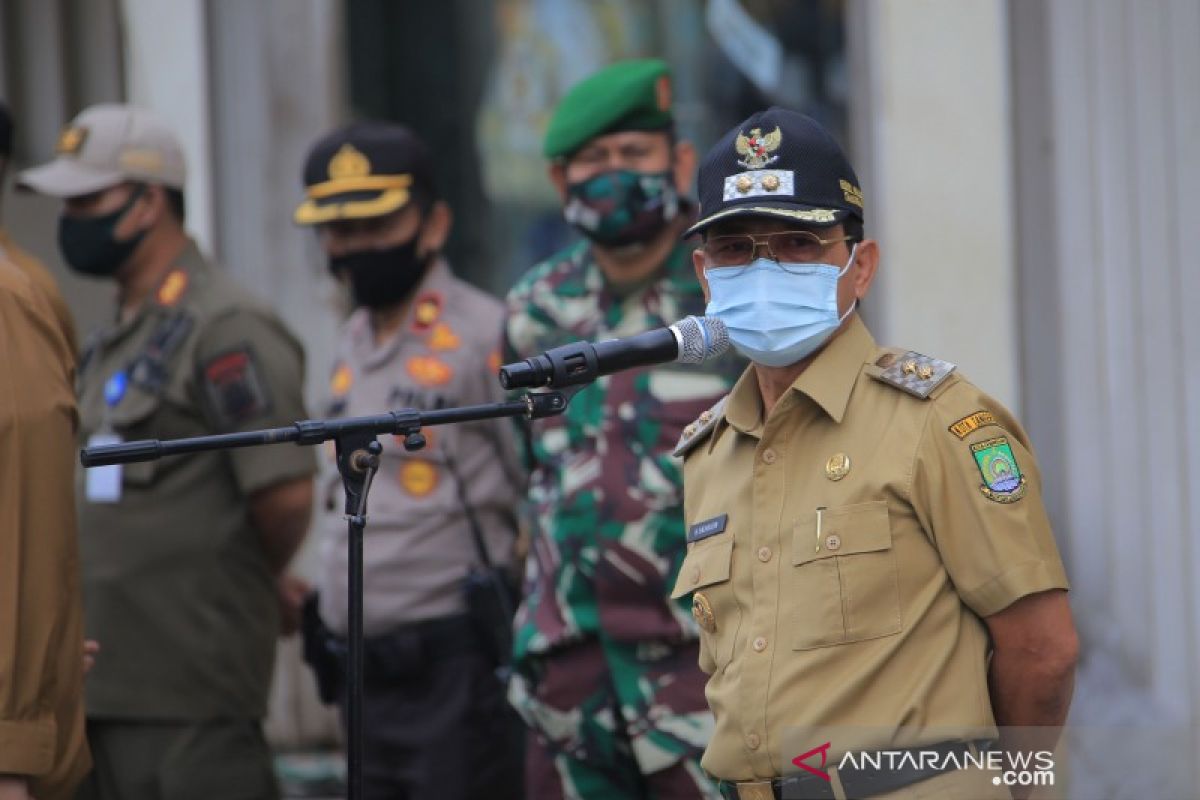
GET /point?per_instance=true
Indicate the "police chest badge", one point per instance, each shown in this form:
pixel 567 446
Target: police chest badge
pixel 1002 478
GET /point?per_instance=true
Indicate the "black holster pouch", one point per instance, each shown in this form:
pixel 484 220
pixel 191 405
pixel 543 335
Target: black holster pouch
pixel 492 598
pixel 324 653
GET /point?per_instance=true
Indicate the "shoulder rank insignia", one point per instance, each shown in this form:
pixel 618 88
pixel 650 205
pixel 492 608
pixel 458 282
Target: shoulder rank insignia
pixel 911 372
pixel 172 288
pixel 697 431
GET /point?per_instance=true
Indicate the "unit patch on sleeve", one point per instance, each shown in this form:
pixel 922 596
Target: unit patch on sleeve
pixel 1002 478
pixel 234 386
pixel 973 422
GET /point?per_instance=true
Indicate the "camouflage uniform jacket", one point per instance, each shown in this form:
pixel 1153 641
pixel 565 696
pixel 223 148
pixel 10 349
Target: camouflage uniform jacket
pixel 606 493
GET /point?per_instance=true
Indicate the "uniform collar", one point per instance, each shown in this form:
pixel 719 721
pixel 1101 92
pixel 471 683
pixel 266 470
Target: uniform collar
pixel 828 380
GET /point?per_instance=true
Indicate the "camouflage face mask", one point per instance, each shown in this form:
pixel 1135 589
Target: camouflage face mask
pixel 622 207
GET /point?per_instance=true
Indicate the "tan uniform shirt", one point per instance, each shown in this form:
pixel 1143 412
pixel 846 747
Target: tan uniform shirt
pixel 418 542
pixel 843 552
pixel 177 586
pixel 41 620
pixel 44 281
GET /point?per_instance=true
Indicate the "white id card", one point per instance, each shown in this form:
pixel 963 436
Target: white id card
pixel 103 484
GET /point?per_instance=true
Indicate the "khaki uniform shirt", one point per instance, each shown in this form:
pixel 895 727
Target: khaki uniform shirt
pixel 844 551
pixel 177 587
pixel 43 281
pixel 41 619
pixel 418 544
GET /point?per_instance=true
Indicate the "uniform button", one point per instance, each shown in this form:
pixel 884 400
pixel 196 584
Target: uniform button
pixel 752 741
pixel 764 554
pixel 833 541
pixel 760 644
pixel 768 456
pixel 695 574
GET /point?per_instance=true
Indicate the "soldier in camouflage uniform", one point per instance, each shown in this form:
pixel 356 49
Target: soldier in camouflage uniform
pixel 606 673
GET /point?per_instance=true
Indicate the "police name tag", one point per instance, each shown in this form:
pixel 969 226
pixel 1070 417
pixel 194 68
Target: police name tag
pixel 103 484
pixel 709 527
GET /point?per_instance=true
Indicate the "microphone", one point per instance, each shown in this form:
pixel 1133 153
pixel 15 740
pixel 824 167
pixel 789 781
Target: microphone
pixel 692 340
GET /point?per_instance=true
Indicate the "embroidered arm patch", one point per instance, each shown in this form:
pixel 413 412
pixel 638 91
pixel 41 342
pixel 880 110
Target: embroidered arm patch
pixel 234 386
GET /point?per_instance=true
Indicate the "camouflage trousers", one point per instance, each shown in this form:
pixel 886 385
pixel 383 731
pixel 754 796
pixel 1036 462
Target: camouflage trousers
pixel 615 720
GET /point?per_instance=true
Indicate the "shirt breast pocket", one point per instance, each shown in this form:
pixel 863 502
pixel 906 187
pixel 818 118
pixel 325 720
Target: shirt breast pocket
pixel 705 574
pixel 844 585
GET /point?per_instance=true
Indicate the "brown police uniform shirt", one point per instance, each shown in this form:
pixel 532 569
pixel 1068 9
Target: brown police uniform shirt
pixel 418 542
pixel 177 587
pixel 41 619
pixel 44 282
pixel 843 552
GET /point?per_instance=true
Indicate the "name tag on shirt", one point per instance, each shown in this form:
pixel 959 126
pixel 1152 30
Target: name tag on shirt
pixel 103 484
pixel 706 528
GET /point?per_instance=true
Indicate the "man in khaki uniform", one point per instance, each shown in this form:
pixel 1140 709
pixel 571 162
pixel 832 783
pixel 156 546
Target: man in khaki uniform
pixel 23 261
pixel 436 723
pixel 181 557
pixel 42 749
pixel 868 553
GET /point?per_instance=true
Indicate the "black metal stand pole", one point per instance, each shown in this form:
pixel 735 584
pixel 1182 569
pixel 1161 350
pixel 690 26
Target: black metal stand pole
pixel 357 459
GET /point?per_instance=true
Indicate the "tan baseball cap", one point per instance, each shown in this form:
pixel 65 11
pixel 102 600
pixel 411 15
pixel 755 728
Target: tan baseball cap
pixel 105 145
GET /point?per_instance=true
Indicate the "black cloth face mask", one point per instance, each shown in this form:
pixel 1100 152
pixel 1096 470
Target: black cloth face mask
pixel 381 278
pixel 89 244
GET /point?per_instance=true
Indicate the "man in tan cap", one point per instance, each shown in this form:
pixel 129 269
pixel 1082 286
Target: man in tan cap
pixel 181 558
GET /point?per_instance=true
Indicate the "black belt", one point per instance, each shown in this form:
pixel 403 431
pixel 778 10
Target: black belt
pixel 409 650
pixel 857 783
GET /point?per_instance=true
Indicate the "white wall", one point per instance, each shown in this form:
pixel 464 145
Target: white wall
pixel 166 70
pixel 933 149
pixel 1123 123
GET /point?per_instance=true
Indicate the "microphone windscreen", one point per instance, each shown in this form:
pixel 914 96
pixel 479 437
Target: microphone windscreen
pixel 700 338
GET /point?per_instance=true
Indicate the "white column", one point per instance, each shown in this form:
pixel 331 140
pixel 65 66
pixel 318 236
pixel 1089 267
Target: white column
pixel 166 70
pixel 934 145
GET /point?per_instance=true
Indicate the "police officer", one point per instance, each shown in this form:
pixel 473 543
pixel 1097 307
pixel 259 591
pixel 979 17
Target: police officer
pixel 23 261
pixel 43 753
pixel 180 557
pixel 435 720
pixel 605 663
pixel 868 552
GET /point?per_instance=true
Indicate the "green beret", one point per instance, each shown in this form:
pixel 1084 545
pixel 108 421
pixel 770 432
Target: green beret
pixel 627 96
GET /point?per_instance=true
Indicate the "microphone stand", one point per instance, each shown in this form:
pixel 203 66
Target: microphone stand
pixel 358 452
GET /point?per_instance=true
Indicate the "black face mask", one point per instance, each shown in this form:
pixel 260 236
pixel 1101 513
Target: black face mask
pixel 89 244
pixel 382 278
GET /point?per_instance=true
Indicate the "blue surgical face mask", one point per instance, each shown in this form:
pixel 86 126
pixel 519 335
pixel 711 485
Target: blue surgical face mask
pixel 777 314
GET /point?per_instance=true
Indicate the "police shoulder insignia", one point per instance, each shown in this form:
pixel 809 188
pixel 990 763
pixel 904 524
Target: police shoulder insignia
pixel 697 431
pixel 911 372
pixel 234 387
pixel 172 288
pixel 341 381
pixel 1002 478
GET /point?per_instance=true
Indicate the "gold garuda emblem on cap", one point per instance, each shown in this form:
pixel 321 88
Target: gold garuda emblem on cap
pixel 348 162
pixel 756 147
pixel 71 140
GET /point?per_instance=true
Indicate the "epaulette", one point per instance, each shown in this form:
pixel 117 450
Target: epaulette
pixel 697 431
pixel 911 372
